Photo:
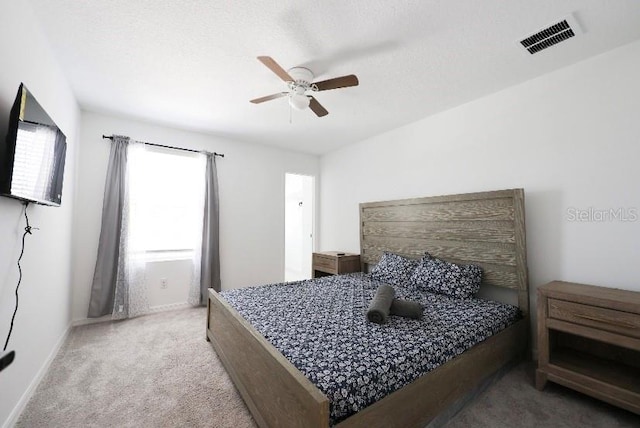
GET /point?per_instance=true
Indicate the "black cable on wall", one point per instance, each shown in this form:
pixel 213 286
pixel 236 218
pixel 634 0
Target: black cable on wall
pixel 27 231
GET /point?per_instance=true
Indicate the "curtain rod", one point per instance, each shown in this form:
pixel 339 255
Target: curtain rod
pixel 110 137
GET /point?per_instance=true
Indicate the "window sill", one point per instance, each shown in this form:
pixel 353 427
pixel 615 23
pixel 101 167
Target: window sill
pixel 167 255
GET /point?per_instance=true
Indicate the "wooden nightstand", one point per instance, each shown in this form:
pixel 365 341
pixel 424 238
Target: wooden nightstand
pixel 589 340
pixel 334 263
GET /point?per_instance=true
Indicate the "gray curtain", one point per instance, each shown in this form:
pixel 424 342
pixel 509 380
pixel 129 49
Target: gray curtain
pixel 210 256
pixel 104 278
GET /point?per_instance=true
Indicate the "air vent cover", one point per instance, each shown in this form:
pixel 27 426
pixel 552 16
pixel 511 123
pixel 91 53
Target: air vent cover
pixel 551 35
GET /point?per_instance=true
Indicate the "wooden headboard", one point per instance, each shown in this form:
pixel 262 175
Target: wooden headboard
pixel 486 229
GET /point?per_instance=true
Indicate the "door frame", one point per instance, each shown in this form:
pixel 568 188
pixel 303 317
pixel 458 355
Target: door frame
pixel 314 216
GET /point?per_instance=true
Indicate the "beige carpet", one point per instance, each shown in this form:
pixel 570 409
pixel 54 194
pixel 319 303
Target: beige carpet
pixel 159 371
pixel 513 401
pixel 153 371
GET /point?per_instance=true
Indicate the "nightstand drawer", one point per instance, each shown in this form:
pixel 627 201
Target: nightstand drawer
pixel 334 263
pixel 625 323
pixel 325 263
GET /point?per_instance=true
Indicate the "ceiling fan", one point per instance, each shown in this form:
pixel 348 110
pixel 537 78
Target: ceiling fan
pixel 299 82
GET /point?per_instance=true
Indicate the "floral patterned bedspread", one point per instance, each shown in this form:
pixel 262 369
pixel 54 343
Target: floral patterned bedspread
pixel 320 326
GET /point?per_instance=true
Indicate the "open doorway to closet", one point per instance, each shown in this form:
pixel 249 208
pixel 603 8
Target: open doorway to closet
pixel 298 231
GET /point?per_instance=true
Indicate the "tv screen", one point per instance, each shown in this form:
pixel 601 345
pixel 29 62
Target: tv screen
pixel 33 154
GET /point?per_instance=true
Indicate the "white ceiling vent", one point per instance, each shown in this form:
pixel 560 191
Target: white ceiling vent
pixel 553 34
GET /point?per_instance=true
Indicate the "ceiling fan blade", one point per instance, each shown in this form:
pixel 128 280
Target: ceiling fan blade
pixel 269 97
pixel 338 82
pixel 275 67
pixel 317 107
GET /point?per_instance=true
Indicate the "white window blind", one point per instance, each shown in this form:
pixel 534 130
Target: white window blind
pixel 167 195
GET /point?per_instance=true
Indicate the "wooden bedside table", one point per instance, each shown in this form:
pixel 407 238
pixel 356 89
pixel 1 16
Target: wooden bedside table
pixel 334 263
pixel 589 340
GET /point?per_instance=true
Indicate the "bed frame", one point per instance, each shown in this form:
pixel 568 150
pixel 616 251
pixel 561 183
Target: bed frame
pixel 486 228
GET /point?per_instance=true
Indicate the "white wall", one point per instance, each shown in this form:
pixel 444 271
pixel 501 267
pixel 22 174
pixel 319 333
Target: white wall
pixel 45 293
pixel 177 274
pixel 569 138
pixel 251 181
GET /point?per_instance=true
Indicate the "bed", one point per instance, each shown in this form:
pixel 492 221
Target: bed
pixel 481 228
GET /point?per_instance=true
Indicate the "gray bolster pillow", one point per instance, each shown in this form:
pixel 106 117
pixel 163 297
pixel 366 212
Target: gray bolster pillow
pixel 406 308
pixel 378 311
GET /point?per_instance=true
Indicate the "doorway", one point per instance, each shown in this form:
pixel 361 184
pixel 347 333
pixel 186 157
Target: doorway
pixel 298 229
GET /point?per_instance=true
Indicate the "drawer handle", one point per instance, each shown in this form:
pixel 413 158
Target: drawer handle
pixel 607 321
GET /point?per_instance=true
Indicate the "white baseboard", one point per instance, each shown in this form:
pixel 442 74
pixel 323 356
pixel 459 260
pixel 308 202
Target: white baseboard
pixel 169 307
pixel 86 321
pixel 152 310
pixel 22 403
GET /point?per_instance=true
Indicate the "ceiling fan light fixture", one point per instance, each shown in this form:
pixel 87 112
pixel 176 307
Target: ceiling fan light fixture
pixel 299 101
pixel 299 81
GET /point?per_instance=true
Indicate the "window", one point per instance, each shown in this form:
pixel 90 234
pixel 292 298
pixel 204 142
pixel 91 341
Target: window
pixel 166 201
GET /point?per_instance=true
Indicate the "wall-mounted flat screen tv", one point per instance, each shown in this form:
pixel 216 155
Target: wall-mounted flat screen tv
pixel 32 156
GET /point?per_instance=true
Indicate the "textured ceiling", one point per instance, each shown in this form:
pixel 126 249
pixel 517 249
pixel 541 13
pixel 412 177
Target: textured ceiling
pixel 192 63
